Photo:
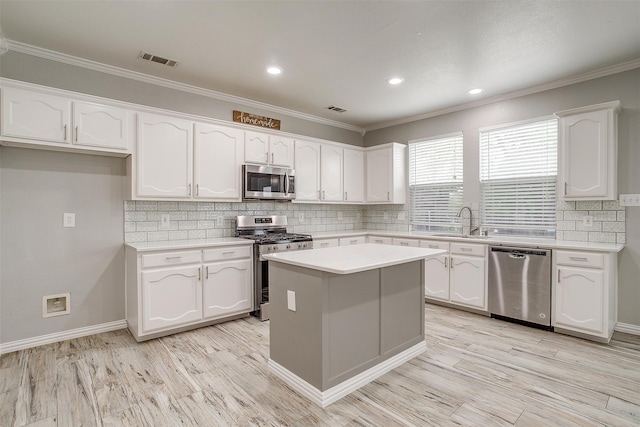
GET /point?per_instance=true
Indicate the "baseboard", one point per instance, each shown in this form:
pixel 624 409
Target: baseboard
pixel 627 328
pixel 327 397
pixel 8 347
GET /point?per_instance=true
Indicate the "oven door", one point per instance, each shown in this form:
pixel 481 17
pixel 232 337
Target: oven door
pixel 267 183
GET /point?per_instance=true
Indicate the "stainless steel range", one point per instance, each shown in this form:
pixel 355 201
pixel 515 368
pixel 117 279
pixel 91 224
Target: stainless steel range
pixel 270 236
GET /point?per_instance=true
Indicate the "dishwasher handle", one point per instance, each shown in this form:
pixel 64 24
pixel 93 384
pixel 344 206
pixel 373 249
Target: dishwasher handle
pixel 520 251
pixel 517 256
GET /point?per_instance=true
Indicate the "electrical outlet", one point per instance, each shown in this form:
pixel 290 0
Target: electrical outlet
pixel 339 216
pixel 400 216
pixel 291 300
pixel 587 221
pixel 630 200
pixel 386 216
pixel 68 219
pixel 165 222
pixel 301 217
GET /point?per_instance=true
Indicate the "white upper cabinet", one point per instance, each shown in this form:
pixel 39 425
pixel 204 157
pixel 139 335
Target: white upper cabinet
pixel 36 116
pixel 386 174
pixel 164 157
pixel 331 173
pixel 45 119
pixel 587 160
pixel 218 158
pixel 97 125
pixel 353 175
pixel 307 167
pixel 260 148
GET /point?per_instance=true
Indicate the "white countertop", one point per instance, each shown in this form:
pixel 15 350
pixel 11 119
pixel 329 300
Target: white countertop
pixel 497 241
pixel 353 258
pixel 187 244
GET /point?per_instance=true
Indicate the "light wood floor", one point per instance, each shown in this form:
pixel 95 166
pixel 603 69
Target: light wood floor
pixel 476 372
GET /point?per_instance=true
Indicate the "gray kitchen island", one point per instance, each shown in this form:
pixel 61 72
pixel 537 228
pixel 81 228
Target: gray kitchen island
pixel 343 316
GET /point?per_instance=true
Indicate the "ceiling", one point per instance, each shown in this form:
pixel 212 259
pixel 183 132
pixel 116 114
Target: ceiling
pixel 341 52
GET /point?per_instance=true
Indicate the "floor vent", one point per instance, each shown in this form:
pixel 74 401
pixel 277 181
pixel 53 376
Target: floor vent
pixel 160 60
pixel 336 109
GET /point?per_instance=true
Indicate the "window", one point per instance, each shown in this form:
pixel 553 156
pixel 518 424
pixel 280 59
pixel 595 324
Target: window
pixel 435 183
pixel 518 170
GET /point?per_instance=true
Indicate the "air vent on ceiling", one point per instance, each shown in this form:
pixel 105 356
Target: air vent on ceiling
pixel 160 60
pixel 336 109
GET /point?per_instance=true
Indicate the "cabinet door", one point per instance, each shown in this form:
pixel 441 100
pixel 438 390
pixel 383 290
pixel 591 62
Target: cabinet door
pixel 280 151
pixel 165 156
pixel 467 281
pixel 436 277
pixel 170 297
pixel 379 175
pixel 579 299
pixel 35 116
pixel 307 168
pixel 227 289
pixel 218 158
pixel 353 175
pixel 584 153
pixel 256 148
pixel 100 126
pixel 331 173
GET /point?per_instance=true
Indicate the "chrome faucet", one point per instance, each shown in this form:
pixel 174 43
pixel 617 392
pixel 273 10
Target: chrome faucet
pixel 472 229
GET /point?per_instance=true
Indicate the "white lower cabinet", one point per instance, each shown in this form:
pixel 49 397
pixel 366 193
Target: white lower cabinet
pixel 380 240
pixel 355 240
pixel 458 277
pixel 226 289
pixel 325 243
pixel 172 290
pixel 171 297
pixel 585 293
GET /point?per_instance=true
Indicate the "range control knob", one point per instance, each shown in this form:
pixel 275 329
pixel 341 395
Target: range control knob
pixel 288 246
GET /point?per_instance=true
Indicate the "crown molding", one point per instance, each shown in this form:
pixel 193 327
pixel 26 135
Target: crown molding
pixel 579 78
pixel 170 84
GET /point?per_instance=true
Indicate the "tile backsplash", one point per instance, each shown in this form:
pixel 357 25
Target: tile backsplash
pixel 201 220
pixel 608 221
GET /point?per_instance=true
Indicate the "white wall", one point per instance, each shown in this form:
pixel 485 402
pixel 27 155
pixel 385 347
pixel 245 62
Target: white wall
pixel 623 86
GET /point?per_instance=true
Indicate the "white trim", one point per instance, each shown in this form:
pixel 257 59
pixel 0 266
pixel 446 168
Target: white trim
pixel 518 123
pixel 325 398
pixel 8 347
pixel 602 72
pixel 627 328
pixel 431 138
pixel 134 75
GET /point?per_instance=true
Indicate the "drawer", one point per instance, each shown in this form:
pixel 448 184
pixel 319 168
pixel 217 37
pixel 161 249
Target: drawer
pixel 379 240
pixel 352 240
pixel 468 249
pixel 170 258
pixel 406 242
pixel 227 252
pixel 325 243
pixel 580 259
pixel 432 244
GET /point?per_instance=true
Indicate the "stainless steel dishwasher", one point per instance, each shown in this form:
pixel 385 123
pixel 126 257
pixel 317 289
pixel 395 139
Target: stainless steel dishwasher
pixel 520 285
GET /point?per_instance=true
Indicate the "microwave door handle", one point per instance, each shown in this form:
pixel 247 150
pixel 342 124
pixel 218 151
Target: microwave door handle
pixel 286 183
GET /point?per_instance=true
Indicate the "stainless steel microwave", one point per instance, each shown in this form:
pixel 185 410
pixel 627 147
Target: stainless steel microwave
pixel 267 183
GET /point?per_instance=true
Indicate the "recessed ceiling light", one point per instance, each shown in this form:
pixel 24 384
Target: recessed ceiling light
pixel 475 91
pixel 395 80
pixel 274 70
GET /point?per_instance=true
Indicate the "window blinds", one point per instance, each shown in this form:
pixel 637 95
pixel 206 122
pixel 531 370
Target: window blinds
pixel 435 182
pixel 518 169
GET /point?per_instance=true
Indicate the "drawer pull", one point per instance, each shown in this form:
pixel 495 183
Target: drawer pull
pixel 445 261
pixel 578 258
pixel 404 244
pixel 433 246
pixel 206 275
pixel 76 133
pixel 199 273
pixel 466 249
pixel 324 244
pixel 378 241
pixel 353 241
pixel 228 253
pixel 169 258
pixel 558 275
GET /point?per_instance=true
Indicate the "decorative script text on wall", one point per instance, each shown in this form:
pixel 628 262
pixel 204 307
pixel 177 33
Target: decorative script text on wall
pixel 252 119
